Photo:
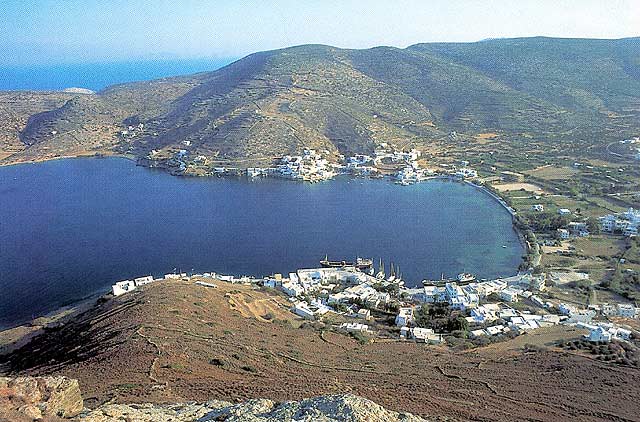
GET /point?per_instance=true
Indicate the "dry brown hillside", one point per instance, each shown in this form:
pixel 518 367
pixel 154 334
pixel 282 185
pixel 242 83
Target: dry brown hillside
pixel 176 341
pixel 571 94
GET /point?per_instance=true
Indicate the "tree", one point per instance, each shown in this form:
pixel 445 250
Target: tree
pixel 593 226
pixel 421 316
pixel 459 323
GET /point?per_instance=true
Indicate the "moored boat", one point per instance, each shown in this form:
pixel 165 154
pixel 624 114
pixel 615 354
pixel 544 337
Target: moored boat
pixel 360 263
pixel 465 277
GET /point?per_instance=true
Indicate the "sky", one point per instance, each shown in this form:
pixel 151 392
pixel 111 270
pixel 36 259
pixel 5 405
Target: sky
pixel 72 31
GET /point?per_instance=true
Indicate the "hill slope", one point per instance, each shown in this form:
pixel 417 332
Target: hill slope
pixel 176 341
pixel 345 101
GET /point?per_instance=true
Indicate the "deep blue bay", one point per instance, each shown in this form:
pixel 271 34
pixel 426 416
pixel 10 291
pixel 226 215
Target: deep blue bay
pixel 70 228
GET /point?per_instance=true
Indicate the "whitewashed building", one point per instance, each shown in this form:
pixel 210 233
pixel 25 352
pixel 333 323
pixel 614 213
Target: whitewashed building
pixel 510 294
pixel 122 287
pixel 354 327
pixel 404 317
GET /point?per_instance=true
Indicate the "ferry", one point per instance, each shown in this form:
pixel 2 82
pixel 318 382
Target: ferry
pixel 360 263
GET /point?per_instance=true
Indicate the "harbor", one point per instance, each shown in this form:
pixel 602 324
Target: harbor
pixel 231 224
pixel 353 297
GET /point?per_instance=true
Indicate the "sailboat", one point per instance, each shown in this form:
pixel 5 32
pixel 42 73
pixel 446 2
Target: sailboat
pixel 392 274
pixel 380 275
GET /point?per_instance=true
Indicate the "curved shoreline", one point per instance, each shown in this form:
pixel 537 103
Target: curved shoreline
pixel 97 155
pixel 514 253
pixel 499 199
pixel 514 218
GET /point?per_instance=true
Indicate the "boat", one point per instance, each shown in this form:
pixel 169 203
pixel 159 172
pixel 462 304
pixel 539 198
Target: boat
pixel 380 275
pixel 465 277
pixel 360 263
pixel 392 274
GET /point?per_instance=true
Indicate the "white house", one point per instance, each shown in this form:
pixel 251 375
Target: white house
pixel 509 295
pixel 630 230
pixel 431 294
pixel 626 222
pixel 627 310
pixel 404 317
pixel 566 309
pixel 270 283
pixel 537 207
pixel 364 314
pixel 302 309
pixel 354 327
pixel 622 333
pixel 122 287
pixel 292 288
pixel 310 311
pixel 466 173
pixel 578 228
pixel 564 211
pixel 537 300
pixel 140 281
pixel 485 313
pixel 606 333
pixel 563 233
pixel 478 333
pixel 426 335
pixel 599 334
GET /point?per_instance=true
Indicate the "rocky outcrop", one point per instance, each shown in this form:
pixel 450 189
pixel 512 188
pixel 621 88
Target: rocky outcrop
pixel 49 399
pixel 42 398
pixel 343 408
pixel 151 412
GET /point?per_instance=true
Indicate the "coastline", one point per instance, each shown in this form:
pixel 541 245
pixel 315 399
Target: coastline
pixel 101 291
pixel 96 155
pixel 514 219
pixel 15 336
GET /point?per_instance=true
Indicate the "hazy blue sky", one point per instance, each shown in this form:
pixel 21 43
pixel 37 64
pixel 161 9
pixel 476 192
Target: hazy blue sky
pixel 41 31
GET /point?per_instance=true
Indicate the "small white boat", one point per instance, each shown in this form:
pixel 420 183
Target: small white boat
pixel 465 277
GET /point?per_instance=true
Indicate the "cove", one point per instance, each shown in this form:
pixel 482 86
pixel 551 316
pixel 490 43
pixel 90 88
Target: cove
pixel 70 228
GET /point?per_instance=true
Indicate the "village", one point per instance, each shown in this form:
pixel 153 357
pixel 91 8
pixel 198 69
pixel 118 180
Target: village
pixel 368 304
pixel 477 311
pixel 388 161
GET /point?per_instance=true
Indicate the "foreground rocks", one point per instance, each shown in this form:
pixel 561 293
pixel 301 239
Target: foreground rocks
pixel 347 408
pixel 42 398
pixel 58 398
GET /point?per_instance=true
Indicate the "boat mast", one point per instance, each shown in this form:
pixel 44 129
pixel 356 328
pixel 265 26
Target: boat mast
pixel 380 270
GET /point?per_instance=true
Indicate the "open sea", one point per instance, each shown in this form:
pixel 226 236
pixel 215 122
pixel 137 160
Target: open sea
pixel 96 76
pixel 70 228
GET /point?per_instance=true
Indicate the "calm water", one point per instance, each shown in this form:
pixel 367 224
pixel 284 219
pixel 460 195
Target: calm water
pixel 96 76
pixel 69 228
